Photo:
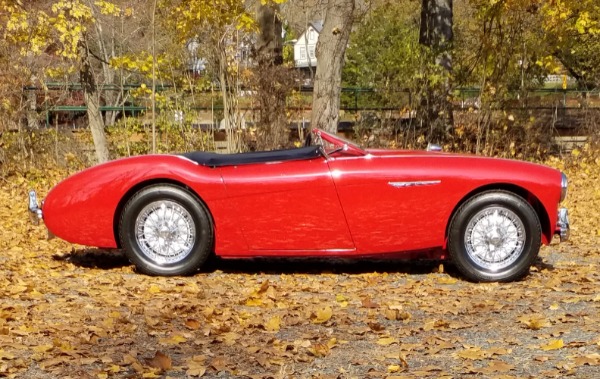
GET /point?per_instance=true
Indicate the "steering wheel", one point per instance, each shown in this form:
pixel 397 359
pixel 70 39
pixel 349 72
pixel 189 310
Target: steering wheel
pixel 308 139
pixel 318 140
pixel 313 139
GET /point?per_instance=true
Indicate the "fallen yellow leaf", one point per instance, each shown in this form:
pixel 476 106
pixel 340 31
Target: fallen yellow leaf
pixel 447 280
pixel 553 345
pixel 342 301
pixel 42 348
pixel 534 322
pixel 386 341
pixel 319 350
pixel 254 302
pixel 472 353
pixel 160 361
pixel 322 315
pixel 5 355
pixel 154 289
pixel 173 340
pixel 192 324
pixel 273 324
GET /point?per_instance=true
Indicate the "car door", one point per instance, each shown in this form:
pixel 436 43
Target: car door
pixel 288 206
pixel 391 204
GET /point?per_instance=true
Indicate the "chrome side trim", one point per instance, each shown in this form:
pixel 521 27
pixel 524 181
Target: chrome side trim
pixel 35 212
pixel 563 228
pixel 414 184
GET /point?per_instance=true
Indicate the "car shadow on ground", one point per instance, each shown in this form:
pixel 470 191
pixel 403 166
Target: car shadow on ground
pixel 321 266
pixel 104 259
pixel 107 259
pixel 542 265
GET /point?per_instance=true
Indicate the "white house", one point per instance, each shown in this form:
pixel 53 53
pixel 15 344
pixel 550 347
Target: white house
pixel 304 47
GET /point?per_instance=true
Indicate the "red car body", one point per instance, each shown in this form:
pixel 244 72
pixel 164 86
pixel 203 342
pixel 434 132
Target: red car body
pixel 350 202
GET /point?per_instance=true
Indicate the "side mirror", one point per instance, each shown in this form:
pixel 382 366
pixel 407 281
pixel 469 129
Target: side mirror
pixel 433 147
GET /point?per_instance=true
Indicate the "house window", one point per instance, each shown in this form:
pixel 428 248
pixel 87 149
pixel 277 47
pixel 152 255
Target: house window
pixel 311 35
pixel 311 52
pixel 303 53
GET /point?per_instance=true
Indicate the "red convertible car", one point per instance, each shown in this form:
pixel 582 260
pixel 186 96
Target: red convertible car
pixel 330 198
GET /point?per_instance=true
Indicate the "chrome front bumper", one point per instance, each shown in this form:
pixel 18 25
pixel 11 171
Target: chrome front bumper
pixel 562 225
pixel 35 212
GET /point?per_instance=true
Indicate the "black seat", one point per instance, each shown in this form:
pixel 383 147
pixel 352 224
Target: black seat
pixel 217 160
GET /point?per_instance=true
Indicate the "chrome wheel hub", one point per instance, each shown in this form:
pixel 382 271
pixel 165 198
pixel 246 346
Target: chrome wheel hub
pixel 165 232
pixel 495 238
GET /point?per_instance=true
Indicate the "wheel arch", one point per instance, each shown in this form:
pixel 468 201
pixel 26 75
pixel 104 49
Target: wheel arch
pixel 528 196
pixel 138 187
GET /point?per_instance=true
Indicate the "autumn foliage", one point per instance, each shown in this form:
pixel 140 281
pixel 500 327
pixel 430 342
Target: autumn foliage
pixel 70 311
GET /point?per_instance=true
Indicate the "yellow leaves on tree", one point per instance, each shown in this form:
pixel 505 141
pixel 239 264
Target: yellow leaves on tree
pixel 62 26
pixel 69 21
pixel 141 63
pixel 571 15
pixel 192 15
pixel 108 8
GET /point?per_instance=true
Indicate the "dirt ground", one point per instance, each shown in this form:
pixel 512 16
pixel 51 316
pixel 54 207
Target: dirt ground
pixel 66 311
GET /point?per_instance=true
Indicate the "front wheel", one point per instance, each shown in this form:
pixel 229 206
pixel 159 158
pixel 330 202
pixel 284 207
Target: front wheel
pixel 166 231
pixel 495 236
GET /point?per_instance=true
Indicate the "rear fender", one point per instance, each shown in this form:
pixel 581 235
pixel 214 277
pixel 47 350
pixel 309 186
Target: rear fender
pixel 82 208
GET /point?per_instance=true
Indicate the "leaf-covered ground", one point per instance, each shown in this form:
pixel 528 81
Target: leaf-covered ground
pixel 66 311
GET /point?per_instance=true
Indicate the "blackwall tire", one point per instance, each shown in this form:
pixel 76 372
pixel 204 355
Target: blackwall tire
pixel 494 237
pixel 165 230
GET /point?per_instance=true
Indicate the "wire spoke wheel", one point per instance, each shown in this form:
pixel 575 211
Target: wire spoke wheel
pixel 165 231
pixel 495 238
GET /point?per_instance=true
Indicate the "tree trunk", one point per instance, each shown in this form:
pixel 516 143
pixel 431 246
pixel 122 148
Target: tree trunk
pixel 111 97
pixel 31 101
pixel 92 101
pixel 271 80
pixel 231 110
pixel 330 61
pixel 436 32
pixel 153 98
pixel 436 29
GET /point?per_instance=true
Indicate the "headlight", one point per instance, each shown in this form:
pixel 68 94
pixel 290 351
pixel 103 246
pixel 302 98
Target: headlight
pixel 563 186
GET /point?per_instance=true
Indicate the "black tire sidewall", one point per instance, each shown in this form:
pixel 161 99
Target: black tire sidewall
pixel 203 225
pixel 467 211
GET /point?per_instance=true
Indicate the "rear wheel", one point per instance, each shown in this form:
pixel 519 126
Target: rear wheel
pixel 166 231
pixel 495 236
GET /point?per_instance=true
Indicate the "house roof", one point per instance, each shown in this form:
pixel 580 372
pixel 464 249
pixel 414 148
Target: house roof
pixel 317 25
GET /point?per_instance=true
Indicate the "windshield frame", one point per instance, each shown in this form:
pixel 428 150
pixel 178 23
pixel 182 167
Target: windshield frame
pixel 341 144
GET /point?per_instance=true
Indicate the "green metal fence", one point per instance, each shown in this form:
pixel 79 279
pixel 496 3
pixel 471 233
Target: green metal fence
pixel 353 99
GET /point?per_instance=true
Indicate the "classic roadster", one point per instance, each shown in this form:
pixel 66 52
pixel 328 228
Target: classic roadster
pixel 330 198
